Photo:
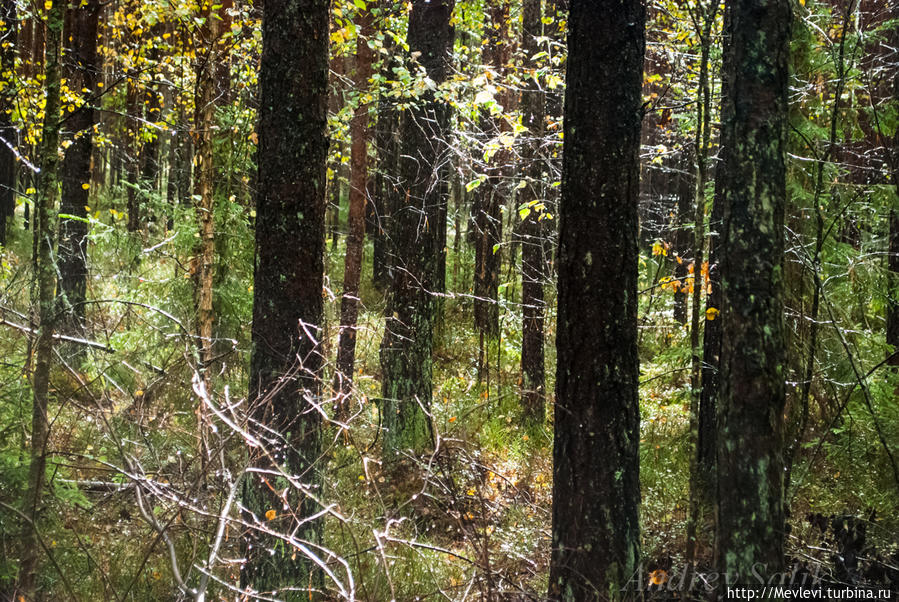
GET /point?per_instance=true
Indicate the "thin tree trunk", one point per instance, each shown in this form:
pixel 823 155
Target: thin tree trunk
pixel 892 331
pixel 131 146
pixel 204 188
pixel 533 394
pixel 686 192
pixel 596 473
pixel 285 367
pixel 490 196
pixel 699 495
pixel 44 298
pixel 752 395
pixel 352 274
pixel 149 152
pixel 83 72
pixel 798 434
pixel 8 133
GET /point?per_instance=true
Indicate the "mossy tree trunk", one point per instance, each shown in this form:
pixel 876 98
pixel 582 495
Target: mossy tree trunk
pixel 287 295
pixel 83 72
pixel 414 231
pixel 596 480
pixel 752 388
pixel 44 300
pixel 533 393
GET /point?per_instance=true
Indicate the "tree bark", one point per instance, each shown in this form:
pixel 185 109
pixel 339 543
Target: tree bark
pixel 533 310
pixel 682 239
pixel 131 150
pixel 892 333
pixel 8 133
pixel 82 73
pixel 490 196
pixel 411 312
pixel 596 480
pixel 44 299
pixel 699 495
pixel 352 273
pixel 204 189
pixel 386 191
pixel 752 387
pixel 287 295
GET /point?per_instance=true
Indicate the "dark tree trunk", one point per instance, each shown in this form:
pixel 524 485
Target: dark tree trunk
pixel 352 274
pixel 711 344
pixel 699 501
pixel 149 152
pixel 683 242
pixel 752 389
pixel 490 196
pixel 130 153
pixel 893 303
pixel 385 199
pixel 8 134
pixel 533 384
pixel 287 302
pixel 83 72
pixel 414 231
pixel 223 66
pixel 596 480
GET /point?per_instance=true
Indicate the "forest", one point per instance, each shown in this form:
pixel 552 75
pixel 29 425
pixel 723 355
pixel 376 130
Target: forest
pixel 495 300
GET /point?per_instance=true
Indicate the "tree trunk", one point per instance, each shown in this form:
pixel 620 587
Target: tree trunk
pixel 131 146
pixel 83 70
pixel 387 143
pixel 490 196
pixel 682 239
pixel 287 303
pixel 699 495
pixel 8 133
pixel 204 188
pixel 893 303
pixel 711 345
pixel 149 151
pixel 596 480
pixel 44 298
pixel 411 312
pixel 352 273
pixel 533 310
pixel 752 393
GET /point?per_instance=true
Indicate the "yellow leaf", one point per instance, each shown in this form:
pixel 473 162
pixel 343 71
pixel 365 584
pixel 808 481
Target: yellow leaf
pixel 48 4
pixel 711 313
pixel 270 514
